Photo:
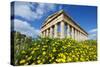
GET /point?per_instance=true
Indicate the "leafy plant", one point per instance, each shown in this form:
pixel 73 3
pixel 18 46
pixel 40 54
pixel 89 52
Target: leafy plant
pixel 40 50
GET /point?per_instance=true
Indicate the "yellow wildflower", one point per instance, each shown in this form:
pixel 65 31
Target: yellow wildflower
pixel 32 52
pixel 22 61
pixel 44 53
pixel 43 48
pixel 54 50
pixel 29 58
pixel 39 61
pixel 23 52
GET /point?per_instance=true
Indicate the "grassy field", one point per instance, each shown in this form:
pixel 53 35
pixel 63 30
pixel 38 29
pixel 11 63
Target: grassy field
pixel 40 50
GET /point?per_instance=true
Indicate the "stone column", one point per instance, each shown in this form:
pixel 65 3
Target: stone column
pixel 68 30
pixel 72 33
pixel 83 37
pixel 47 33
pixel 79 35
pixel 55 30
pixel 42 33
pixel 86 37
pixel 62 30
pixel 51 32
pixel 75 34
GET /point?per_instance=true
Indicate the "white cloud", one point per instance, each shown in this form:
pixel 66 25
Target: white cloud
pixel 93 30
pixel 25 28
pixel 23 9
pixel 93 34
pixel 29 11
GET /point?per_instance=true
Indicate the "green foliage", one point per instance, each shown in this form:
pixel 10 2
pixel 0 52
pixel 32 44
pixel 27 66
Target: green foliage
pixel 52 50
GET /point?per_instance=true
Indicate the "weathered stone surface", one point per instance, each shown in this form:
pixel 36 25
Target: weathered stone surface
pixel 50 27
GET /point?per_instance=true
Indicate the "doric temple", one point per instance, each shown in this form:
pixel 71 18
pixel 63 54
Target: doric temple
pixel 61 25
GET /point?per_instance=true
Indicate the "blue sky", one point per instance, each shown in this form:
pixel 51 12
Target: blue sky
pixel 28 16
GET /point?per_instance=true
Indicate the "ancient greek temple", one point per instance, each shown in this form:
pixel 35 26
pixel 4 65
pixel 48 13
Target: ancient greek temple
pixel 61 25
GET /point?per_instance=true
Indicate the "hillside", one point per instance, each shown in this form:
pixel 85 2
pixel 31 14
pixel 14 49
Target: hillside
pixel 27 51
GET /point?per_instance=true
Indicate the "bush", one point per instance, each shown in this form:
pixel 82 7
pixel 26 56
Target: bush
pixel 54 50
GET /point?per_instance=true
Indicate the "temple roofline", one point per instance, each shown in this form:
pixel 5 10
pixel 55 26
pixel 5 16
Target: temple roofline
pixel 53 16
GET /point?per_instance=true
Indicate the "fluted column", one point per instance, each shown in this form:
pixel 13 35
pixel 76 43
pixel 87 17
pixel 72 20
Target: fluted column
pixel 86 37
pixel 83 37
pixel 55 30
pixel 62 30
pixel 75 34
pixel 42 34
pixel 72 33
pixel 47 33
pixel 76 37
pixel 68 30
pixel 79 35
pixel 51 32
